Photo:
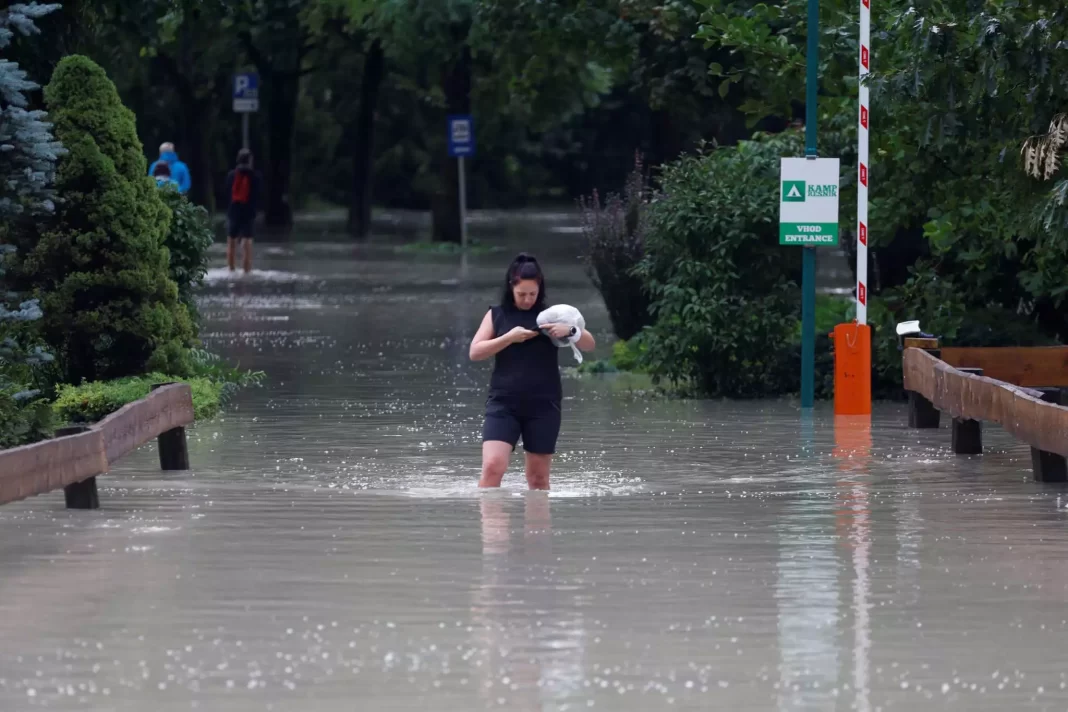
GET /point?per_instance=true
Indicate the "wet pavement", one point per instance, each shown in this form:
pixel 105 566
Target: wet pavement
pixel 330 551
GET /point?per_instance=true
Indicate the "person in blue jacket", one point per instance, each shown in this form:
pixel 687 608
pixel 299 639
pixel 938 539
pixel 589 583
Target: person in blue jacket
pixel 179 171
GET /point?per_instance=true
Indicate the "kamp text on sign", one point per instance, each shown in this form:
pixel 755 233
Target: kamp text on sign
pixel 808 201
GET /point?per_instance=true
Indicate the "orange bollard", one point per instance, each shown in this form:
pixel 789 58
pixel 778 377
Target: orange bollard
pixel 852 369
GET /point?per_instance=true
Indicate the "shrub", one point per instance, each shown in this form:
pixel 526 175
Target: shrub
pixel 211 366
pixel 626 357
pixel 723 292
pixel 24 413
pixel 213 385
pixel 615 240
pixel 28 156
pixel 188 240
pixel 95 400
pixel 99 265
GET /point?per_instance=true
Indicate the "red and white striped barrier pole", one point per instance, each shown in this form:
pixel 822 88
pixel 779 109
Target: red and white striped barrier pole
pixel 862 165
pixel 852 342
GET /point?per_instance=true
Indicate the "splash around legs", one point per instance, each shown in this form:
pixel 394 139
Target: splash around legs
pixel 495 458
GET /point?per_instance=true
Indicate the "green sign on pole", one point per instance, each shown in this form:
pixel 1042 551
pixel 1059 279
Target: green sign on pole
pixel 808 202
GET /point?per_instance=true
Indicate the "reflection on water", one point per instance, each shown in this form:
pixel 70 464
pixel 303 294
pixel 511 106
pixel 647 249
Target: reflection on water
pixel 528 628
pixel 330 549
pixel 852 436
pixel 807 594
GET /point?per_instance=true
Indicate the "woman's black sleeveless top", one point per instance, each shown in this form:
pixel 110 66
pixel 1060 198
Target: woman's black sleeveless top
pixel 529 370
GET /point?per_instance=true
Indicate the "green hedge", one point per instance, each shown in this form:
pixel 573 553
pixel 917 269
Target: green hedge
pixel 93 401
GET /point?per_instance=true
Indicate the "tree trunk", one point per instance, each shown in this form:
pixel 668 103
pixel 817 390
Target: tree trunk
pixel 364 134
pixel 456 83
pixel 282 108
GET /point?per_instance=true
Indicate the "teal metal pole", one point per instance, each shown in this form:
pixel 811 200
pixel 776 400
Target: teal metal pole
pixel 808 254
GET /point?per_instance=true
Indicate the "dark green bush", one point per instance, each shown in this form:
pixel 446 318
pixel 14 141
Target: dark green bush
pixel 188 240
pixel 723 290
pixel 24 417
pixel 23 361
pixel 615 244
pixel 28 155
pixel 95 400
pixel 213 385
pixel 626 357
pixel 99 265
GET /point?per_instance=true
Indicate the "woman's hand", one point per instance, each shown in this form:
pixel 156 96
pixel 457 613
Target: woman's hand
pixel 518 335
pixel 558 331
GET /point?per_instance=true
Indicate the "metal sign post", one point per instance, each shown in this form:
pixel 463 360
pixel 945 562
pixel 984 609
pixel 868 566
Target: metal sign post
pixel 461 145
pixel 246 97
pixel 808 257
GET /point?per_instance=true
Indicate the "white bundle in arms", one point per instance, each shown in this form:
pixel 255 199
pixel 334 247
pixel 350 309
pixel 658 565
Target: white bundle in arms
pixel 569 315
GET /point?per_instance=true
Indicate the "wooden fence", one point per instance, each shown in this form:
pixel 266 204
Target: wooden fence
pixel 970 396
pixel 74 458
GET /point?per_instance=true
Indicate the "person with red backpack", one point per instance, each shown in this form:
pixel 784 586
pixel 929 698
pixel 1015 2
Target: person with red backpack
pixel 243 187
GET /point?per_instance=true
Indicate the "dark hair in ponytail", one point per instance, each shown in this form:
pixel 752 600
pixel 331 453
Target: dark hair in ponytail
pixel 523 267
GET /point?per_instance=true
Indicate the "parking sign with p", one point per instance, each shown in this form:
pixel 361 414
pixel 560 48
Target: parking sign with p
pixel 246 92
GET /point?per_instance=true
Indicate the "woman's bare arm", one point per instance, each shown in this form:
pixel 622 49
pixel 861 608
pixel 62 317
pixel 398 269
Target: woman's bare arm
pixel 485 346
pixel 586 342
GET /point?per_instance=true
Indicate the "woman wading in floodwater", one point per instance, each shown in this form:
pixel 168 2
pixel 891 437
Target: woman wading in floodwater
pixel 525 389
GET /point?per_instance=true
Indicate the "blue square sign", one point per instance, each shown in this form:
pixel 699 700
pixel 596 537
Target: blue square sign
pixel 461 135
pixel 246 92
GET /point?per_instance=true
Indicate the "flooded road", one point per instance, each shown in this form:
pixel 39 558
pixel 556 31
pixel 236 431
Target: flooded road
pixel 330 551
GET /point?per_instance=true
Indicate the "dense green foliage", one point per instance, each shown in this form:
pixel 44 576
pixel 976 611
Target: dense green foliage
pixel 189 237
pixel 213 385
pixel 723 292
pixel 99 265
pixel 961 238
pixel 28 155
pixel 354 93
pixel 24 415
pixel 968 233
pixel 94 400
pixel 615 235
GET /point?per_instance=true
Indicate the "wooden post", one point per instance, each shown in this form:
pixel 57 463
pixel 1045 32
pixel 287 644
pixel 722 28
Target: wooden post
pixel 80 495
pixel 173 448
pixel 922 413
pixel 968 433
pixel 1049 466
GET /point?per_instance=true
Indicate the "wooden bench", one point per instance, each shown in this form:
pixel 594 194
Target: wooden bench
pixel 74 458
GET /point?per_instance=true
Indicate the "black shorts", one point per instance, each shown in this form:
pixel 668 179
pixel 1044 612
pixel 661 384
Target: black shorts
pixel 537 421
pixel 239 223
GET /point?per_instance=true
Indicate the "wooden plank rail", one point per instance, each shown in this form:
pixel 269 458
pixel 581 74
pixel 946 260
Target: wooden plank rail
pixel 72 462
pixel 1019 365
pixel 1026 413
